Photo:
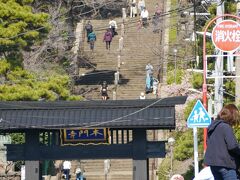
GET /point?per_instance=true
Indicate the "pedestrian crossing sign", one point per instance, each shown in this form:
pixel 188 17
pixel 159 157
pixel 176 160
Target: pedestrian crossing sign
pixel 199 117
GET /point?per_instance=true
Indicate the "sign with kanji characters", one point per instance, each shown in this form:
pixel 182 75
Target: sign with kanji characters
pixel 199 117
pixel 84 136
pixel 226 36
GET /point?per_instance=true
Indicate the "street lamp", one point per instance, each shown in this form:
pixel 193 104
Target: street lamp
pixel 171 142
pixel 175 63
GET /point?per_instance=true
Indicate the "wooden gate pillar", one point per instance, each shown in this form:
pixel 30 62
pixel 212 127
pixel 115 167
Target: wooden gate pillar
pixel 32 168
pixel 140 162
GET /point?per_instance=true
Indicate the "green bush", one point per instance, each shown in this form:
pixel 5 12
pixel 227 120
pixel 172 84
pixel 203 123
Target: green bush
pixel 230 7
pixel 197 80
pixel 183 148
pixel 23 85
pixel 17 138
pixel 189 108
pixel 4 66
pixel 171 76
pixel 164 169
pixel 19 74
pixel 230 87
pixel 173 21
pixel 237 133
pixel 20 24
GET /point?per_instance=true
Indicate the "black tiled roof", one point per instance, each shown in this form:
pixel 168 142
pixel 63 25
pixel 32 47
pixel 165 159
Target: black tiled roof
pixel 149 113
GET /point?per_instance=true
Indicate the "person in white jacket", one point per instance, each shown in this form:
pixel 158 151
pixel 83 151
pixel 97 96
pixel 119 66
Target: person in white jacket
pixel 66 169
pixel 113 26
pixel 204 174
pixel 141 5
pixel 133 8
pixel 144 16
pixel 142 96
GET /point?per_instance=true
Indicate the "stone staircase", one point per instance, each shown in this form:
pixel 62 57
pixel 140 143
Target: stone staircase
pixel 137 53
pixel 140 47
pixel 120 168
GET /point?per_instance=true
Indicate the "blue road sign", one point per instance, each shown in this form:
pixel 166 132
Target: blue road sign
pixel 199 117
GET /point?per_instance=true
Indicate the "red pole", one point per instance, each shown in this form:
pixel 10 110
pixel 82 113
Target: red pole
pixel 204 86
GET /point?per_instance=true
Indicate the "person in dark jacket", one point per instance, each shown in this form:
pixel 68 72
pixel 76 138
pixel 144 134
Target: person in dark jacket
pixel 104 89
pixel 89 29
pixel 223 150
pixel 108 38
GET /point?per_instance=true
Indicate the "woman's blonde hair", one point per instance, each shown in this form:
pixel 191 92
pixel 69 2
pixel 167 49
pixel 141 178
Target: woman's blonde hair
pixel 229 114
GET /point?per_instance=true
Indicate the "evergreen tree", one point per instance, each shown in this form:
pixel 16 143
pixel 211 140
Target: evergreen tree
pixel 19 26
pixel 17 84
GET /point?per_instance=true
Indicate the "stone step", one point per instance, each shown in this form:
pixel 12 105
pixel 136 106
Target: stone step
pixel 139 48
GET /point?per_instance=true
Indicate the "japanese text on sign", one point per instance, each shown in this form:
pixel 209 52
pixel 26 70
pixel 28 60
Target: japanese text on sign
pixel 76 135
pixel 226 36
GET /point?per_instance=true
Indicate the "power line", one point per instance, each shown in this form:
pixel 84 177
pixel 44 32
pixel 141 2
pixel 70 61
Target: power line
pixel 95 124
pixel 101 28
pixel 11 48
pixel 162 16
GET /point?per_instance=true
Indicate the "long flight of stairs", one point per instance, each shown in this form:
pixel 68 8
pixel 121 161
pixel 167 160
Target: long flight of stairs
pixel 140 47
pixel 120 169
pixel 138 51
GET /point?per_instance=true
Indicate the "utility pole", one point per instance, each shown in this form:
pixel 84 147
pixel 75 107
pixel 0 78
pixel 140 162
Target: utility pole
pixel 196 57
pixel 237 87
pixel 218 91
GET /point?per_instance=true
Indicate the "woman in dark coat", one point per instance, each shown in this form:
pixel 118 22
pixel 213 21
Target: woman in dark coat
pixel 223 150
pixel 108 38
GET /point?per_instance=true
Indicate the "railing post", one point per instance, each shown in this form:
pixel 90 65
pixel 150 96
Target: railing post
pixel 124 14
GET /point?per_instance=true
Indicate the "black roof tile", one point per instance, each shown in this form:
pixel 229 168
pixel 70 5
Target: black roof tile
pixel 150 113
